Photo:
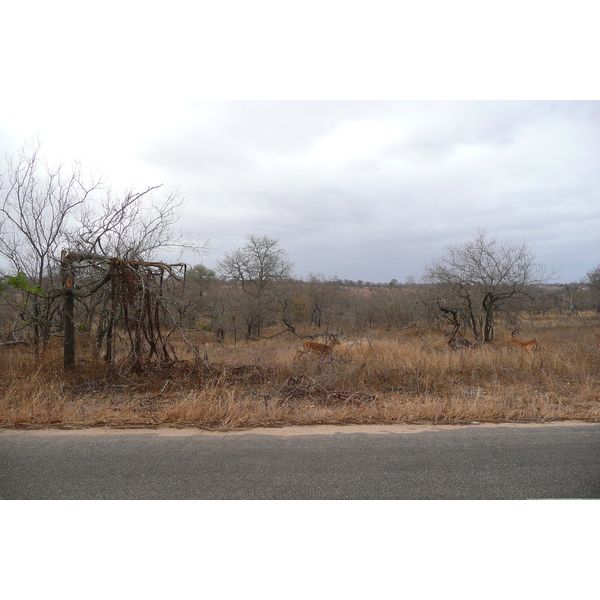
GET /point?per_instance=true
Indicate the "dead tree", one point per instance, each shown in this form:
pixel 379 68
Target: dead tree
pixel 455 340
pixel 134 306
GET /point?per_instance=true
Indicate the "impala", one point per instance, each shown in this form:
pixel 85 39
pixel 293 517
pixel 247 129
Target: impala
pixel 320 349
pixel 529 346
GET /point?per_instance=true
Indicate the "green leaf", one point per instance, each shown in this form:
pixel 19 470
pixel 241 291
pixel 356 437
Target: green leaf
pixel 20 282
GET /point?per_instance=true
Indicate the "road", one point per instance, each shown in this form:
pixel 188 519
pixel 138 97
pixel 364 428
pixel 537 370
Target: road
pixel 364 462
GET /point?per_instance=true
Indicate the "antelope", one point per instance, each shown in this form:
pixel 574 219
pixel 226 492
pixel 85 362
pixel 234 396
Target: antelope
pixel 320 349
pixel 529 346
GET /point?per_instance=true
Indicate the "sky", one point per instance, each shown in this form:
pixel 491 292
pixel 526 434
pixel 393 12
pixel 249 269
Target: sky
pixel 364 139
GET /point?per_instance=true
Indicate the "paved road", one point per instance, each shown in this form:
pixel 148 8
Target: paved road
pixel 472 462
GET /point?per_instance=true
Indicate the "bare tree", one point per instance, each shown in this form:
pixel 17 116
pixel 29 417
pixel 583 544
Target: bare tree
pixel 479 275
pixel 572 290
pixel 320 295
pixel 49 213
pixel 257 266
pixel 192 305
pixel 136 226
pixel 37 203
pixel 592 278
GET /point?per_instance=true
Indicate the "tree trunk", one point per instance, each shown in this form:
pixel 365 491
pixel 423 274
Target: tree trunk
pixel 68 313
pixel 69 326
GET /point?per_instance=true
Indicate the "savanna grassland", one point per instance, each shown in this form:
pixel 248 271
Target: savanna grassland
pixel 404 376
pixel 153 344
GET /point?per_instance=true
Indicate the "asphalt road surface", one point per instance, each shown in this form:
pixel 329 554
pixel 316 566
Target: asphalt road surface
pixel 370 462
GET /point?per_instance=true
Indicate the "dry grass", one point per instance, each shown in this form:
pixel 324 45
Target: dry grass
pixel 406 376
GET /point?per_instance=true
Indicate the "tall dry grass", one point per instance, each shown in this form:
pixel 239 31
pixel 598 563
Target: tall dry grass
pixel 384 377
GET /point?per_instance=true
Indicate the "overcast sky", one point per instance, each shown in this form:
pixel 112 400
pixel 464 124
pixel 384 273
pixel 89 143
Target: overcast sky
pixel 261 141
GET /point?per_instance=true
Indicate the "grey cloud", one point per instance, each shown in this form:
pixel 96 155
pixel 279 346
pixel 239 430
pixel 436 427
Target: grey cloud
pixel 437 130
pixel 197 151
pixel 378 207
pixel 239 133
